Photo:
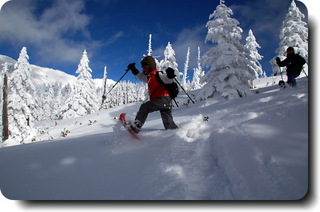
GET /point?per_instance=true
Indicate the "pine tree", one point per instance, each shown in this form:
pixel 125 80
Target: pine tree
pixel 253 55
pixel 84 70
pixel 294 33
pixel 185 70
pixel 229 75
pixel 150 51
pixel 58 98
pixel 85 100
pixel 197 74
pixel 105 79
pixel 150 46
pixel 169 60
pixel 22 108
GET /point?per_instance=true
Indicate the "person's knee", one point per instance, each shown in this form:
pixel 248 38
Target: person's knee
pixel 144 106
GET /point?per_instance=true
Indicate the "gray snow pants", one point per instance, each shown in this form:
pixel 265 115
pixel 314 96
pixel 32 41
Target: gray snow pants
pixel 164 105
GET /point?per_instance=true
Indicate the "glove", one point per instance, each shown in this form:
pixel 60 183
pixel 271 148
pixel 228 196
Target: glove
pixel 278 60
pixel 170 73
pixel 132 67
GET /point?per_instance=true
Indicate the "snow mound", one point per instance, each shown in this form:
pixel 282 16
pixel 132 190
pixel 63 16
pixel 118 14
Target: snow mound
pixel 196 128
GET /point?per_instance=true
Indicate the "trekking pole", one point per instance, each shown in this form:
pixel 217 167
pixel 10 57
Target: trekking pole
pixel 281 82
pixel 117 81
pixel 205 118
pixel 305 73
pixel 281 74
pixel 175 102
pixel 184 90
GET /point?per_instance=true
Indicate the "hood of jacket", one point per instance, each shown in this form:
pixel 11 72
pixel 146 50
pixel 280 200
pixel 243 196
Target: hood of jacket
pixel 150 62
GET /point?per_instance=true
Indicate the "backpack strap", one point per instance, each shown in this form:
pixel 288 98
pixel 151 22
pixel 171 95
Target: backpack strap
pixel 159 78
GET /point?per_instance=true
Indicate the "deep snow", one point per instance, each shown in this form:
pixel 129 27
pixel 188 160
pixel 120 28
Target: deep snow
pixel 250 149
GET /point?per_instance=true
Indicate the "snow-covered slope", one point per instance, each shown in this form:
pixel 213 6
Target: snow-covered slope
pixel 272 80
pixel 252 148
pixel 41 75
pixel 6 59
pixel 47 76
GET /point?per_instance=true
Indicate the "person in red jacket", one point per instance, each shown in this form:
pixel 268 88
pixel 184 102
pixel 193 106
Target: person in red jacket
pixel 160 99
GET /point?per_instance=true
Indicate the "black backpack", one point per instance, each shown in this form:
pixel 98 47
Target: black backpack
pixel 296 66
pixel 171 87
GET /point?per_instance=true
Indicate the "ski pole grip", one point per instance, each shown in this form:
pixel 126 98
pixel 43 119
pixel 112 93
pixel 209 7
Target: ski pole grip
pixel 131 66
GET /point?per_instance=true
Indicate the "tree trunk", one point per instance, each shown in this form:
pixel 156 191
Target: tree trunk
pixel 5 121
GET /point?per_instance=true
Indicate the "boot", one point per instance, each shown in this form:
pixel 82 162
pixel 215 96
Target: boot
pixel 135 126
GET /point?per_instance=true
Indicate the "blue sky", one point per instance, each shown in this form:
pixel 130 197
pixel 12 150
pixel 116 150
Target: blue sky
pixel 116 32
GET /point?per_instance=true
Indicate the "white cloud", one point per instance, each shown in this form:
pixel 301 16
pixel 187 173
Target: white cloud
pixel 49 31
pixel 193 38
pixel 114 38
pixel 264 17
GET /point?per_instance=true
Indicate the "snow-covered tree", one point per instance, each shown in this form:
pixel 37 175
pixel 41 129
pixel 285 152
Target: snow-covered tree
pixel 22 107
pixel 51 100
pixel 228 75
pixel 57 99
pixel 185 70
pixel 105 87
pixel 253 55
pixel 198 73
pixel 84 70
pixel 150 51
pixel 169 60
pixel 85 100
pixel 294 33
pixel 150 46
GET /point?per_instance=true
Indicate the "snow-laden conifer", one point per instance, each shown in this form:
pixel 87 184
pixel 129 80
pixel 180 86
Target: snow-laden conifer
pixel 253 55
pixel 169 60
pixel 228 75
pixel 150 51
pixel 185 70
pixel 85 99
pixel 150 46
pixel 22 107
pixel 198 73
pixel 105 87
pixel 294 33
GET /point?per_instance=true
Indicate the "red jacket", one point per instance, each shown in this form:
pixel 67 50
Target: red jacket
pixel 156 90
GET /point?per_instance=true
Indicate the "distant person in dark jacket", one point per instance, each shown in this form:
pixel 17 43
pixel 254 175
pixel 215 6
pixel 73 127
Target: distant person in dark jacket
pixel 294 64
